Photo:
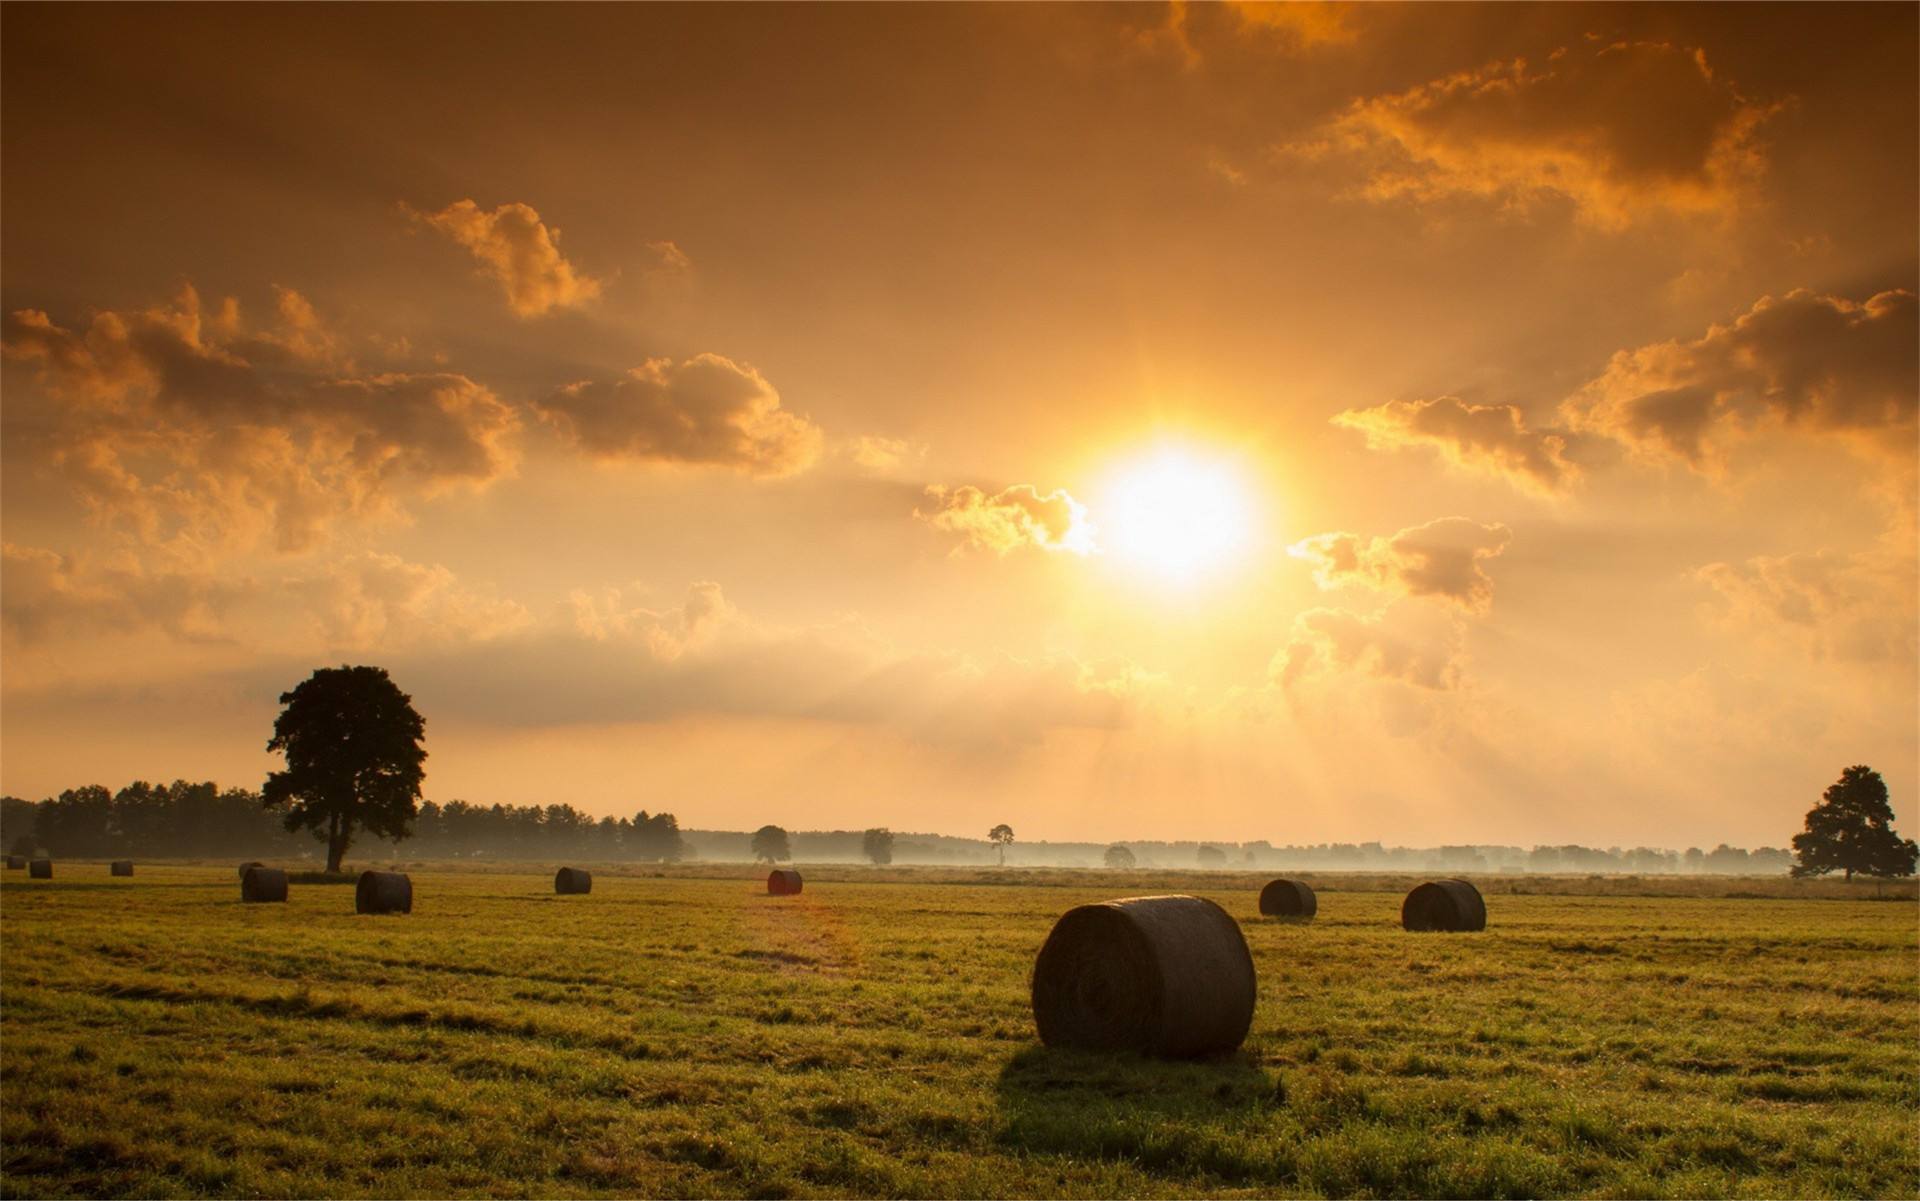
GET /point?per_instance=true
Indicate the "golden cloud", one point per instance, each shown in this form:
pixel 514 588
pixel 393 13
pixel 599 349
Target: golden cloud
pixel 1389 646
pixel 1441 559
pixel 1834 605
pixel 1009 519
pixel 1494 439
pixel 521 253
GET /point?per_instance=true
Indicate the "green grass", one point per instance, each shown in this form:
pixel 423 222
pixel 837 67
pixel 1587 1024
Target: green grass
pixel 687 1036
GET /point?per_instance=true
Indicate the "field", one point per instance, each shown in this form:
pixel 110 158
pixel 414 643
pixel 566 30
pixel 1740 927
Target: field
pixel 685 1035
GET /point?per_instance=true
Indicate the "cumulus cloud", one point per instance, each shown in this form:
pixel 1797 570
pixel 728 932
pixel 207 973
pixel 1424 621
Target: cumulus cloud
pixel 50 595
pixel 1295 23
pixel 521 253
pixel 706 410
pixel 878 455
pixel 1856 608
pixel 188 427
pixel 1009 519
pixel 1618 129
pixel 1807 361
pixel 1494 439
pixel 1441 559
pixel 374 600
pixel 1395 645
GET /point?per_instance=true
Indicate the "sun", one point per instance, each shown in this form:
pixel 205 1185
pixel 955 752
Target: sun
pixel 1175 513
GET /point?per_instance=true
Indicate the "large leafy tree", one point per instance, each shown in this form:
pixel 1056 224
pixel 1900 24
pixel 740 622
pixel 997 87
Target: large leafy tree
pixel 1001 836
pixel 877 845
pixel 1851 830
pixel 352 742
pixel 770 844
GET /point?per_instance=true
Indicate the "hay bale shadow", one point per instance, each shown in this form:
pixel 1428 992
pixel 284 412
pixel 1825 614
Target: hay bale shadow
pixel 1171 1116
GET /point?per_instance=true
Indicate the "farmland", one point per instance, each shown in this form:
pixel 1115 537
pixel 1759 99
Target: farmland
pixel 681 1033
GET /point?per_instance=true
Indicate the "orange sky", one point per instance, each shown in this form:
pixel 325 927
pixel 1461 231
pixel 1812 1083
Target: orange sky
pixel 1432 424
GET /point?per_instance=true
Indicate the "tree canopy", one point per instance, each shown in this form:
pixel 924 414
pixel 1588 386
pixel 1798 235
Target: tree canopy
pixel 354 760
pixel 1119 856
pixel 770 845
pixel 877 845
pixel 1851 830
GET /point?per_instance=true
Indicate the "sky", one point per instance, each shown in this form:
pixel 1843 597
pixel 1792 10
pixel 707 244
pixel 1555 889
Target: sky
pixel 1432 424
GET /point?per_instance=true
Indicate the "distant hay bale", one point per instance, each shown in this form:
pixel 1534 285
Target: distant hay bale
pixel 1288 898
pixel 121 867
pixel 1453 905
pixel 16 862
pixel 249 863
pixel 383 892
pixel 41 869
pixel 573 881
pixel 1167 976
pixel 259 883
pixel 783 882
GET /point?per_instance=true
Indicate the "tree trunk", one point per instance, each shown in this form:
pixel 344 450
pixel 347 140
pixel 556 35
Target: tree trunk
pixel 337 834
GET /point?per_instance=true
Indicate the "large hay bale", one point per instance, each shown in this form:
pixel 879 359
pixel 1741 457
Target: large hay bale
pixel 1167 976
pixel 783 882
pixel 383 892
pixel 1288 898
pixel 121 867
pixel 41 869
pixel 259 883
pixel 249 863
pixel 573 881
pixel 16 862
pixel 1453 905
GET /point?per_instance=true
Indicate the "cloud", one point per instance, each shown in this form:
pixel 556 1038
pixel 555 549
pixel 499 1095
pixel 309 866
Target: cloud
pixel 706 410
pixel 1804 361
pixel 376 601
pixel 1011 518
pixel 1441 559
pixel 1618 129
pixel 189 428
pixel 1494 439
pixel 1295 23
pixel 879 455
pixel 50 595
pixel 520 252
pixel 1834 606
pixel 1393 645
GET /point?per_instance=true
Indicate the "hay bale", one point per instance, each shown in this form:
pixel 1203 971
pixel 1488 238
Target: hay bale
pixel 249 863
pixel 383 892
pixel 1288 898
pixel 573 881
pixel 41 869
pixel 258 883
pixel 16 862
pixel 1453 905
pixel 1167 976
pixel 121 867
pixel 783 882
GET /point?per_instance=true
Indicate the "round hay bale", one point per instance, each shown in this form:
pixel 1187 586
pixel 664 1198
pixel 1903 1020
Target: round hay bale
pixel 249 863
pixel 573 881
pixel 1288 898
pixel 41 869
pixel 1453 905
pixel 121 867
pixel 258 883
pixel 1167 976
pixel 16 862
pixel 383 892
pixel 783 882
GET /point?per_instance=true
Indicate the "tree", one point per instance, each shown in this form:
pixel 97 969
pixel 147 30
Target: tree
pixel 1851 830
pixel 770 844
pixel 1119 857
pixel 352 742
pixel 1210 857
pixel 877 845
pixel 1001 836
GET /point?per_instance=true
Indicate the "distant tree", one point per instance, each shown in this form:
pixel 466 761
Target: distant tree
pixel 1001 836
pixel 770 845
pixel 1119 857
pixel 352 743
pixel 877 845
pixel 1211 857
pixel 22 845
pixel 1851 830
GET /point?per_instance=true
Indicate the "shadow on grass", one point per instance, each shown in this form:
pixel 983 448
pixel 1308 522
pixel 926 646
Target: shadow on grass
pixel 1174 1118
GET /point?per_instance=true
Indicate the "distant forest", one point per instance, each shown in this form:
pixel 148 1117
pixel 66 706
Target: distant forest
pixel 188 820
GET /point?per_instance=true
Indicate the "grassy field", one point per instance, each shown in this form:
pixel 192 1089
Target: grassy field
pixel 687 1036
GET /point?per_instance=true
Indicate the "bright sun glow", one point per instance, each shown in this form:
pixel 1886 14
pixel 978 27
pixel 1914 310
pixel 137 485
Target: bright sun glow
pixel 1175 513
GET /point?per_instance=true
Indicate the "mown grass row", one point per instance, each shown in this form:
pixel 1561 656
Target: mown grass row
pixel 690 1036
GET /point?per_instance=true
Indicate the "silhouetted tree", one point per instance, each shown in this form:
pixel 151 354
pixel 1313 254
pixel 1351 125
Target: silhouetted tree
pixel 770 844
pixel 1119 857
pixel 352 742
pixel 1851 830
pixel 877 845
pixel 1001 836
pixel 1210 857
